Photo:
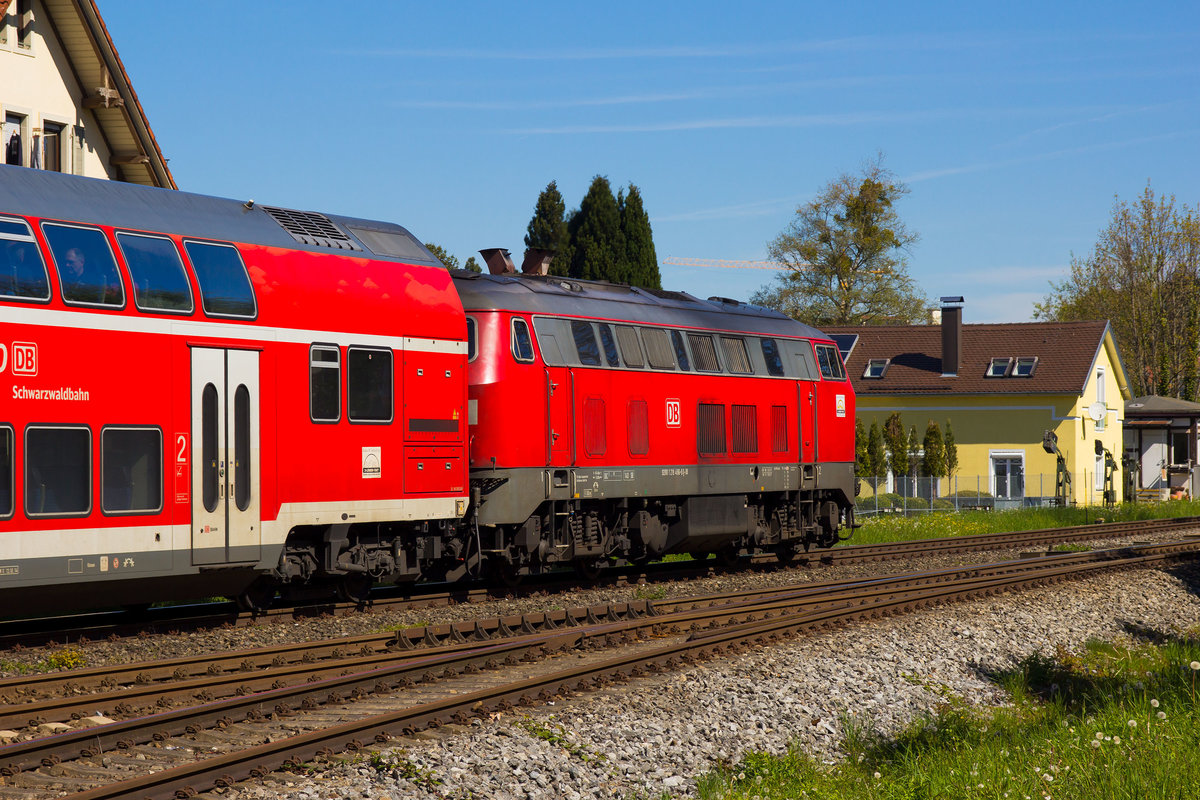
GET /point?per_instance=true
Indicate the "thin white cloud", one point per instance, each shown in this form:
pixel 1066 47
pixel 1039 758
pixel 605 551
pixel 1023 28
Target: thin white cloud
pixel 758 208
pixel 918 177
pixel 1124 112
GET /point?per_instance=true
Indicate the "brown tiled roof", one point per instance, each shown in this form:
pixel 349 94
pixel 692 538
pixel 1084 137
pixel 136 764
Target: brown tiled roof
pixel 1065 353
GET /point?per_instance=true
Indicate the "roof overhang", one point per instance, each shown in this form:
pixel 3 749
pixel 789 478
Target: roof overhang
pixel 107 92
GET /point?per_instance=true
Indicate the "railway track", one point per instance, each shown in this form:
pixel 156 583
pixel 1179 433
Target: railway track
pixel 107 625
pixel 399 690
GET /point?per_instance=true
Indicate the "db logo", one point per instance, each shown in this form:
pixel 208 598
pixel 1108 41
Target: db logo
pixel 673 414
pixel 24 358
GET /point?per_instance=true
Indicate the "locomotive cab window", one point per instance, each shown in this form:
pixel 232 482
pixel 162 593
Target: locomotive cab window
pixel 131 473
pixel 22 271
pixel 522 342
pixel 7 456
pixel 225 289
pixel 87 272
pixel 610 345
pixel 680 351
pixel 368 384
pixel 585 343
pixel 472 339
pixel 770 352
pixel 58 471
pixel 831 363
pixel 159 281
pixel 325 383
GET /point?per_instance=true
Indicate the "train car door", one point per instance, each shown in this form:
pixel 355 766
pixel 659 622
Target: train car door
pixel 226 471
pixel 806 410
pixel 559 411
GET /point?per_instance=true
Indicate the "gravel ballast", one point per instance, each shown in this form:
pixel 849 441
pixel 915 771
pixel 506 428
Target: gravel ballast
pixel 659 734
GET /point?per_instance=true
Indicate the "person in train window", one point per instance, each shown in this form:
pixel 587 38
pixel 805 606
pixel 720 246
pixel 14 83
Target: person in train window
pixel 82 284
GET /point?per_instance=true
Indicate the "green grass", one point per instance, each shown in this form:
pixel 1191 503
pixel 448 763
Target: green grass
pixel 894 528
pixel 1112 721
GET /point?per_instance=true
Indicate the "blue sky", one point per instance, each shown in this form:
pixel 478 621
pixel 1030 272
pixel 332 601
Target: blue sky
pixel 1014 126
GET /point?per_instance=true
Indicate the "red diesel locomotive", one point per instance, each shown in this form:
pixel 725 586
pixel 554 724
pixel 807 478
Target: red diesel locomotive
pixel 209 396
pixel 615 422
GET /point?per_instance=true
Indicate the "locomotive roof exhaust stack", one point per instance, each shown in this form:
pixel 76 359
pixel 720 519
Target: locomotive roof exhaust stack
pixel 537 261
pixel 498 261
pixel 951 335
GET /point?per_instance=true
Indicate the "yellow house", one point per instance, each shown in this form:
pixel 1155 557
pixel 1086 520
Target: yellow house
pixel 1000 387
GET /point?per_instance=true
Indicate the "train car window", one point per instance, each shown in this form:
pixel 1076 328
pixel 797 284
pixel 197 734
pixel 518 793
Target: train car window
pixel 225 289
pixel 324 383
pixel 22 270
pixel 831 362
pixel 7 468
pixel 585 343
pixel 87 272
pixel 368 384
pixel 680 350
pixel 159 280
pixel 131 470
pixel 710 429
pixel 745 429
pixel 735 355
pixel 522 343
pixel 631 348
pixel 610 345
pixel 58 471
pixel 770 352
pixel 241 447
pixel 779 429
pixel 658 348
pixel 472 339
pixel 638 423
pixel 704 353
pixel 802 350
pixel 210 473
pixel 595 434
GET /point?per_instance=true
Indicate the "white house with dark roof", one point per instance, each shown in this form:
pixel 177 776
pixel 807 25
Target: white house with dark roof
pixel 66 102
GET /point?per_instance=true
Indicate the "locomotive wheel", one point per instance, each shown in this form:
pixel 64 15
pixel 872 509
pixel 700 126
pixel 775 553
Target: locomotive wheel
pixel 505 573
pixel 589 569
pixel 355 588
pixel 258 597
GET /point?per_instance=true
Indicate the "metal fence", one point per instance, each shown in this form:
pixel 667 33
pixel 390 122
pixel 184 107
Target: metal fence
pixel 970 492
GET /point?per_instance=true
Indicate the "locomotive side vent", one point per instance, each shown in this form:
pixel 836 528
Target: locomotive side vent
pixel 308 227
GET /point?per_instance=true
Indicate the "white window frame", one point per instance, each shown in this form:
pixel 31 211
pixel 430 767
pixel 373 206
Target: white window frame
pixel 1101 395
pixel 993 455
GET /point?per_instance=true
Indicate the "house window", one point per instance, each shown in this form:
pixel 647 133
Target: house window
pixel 1008 475
pixel 876 367
pixel 11 140
pixel 52 142
pixel 1100 397
pixel 1179 448
pixel 998 368
pixel 24 23
pixel 1024 367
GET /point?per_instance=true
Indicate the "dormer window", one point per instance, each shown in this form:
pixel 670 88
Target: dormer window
pixel 1025 366
pixel 999 367
pixel 876 367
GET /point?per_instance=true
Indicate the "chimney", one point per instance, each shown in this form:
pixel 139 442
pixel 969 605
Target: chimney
pixel 951 336
pixel 537 261
pixel 498 261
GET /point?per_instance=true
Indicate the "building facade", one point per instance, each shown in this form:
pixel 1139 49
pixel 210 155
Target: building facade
pixel 1000 387
pixel 66 102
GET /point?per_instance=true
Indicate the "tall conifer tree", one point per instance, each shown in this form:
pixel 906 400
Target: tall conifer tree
pixel 639 241
pixel 548 228
pixel 597 245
